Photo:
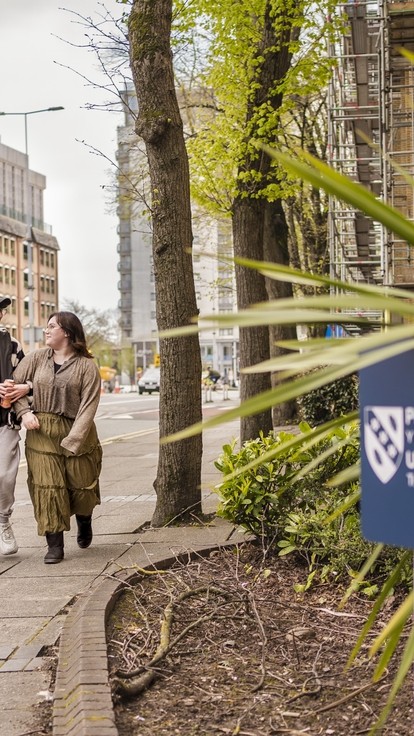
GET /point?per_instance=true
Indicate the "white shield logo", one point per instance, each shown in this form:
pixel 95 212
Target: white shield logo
pixel 384 439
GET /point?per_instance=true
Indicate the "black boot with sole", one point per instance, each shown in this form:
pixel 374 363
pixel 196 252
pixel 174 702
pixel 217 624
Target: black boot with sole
pixel 85 534
pixel 55 551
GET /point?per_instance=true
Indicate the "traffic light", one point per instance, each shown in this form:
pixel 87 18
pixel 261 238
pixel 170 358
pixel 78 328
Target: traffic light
pixel 157 360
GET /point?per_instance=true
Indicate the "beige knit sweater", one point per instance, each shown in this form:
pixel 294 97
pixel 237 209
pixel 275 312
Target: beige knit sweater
pixel 73 391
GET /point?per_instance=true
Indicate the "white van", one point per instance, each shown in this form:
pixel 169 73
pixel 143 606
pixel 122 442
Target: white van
pixel 149 381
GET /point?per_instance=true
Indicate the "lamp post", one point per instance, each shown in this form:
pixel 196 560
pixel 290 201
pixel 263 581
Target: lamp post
pixel 29 216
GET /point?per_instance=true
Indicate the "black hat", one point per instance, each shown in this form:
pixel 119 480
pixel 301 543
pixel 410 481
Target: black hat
pixel 5 302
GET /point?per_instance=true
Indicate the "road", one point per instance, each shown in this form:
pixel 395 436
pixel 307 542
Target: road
pixel 126 414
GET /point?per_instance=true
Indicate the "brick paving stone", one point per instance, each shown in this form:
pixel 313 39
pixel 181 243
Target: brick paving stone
pixel 93 729
pixel 63 700
pixel 86 664
pixel 28 650
pixel 99 702
pixel 35 664
pixel 92 725
pixel 14 665
pixel 6 650
pixel 87 710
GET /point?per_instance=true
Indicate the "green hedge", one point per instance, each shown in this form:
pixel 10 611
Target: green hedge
pixel 333 400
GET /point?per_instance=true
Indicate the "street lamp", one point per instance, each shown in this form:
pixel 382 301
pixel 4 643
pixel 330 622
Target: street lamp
pixel 30 286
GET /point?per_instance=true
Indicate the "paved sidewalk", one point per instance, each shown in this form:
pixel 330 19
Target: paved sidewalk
pixel 34 596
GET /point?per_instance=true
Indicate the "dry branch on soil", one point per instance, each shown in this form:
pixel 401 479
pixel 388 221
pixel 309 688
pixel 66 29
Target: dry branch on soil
pixel 146 674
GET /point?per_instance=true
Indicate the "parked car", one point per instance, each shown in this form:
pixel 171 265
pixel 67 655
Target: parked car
pixel 149 381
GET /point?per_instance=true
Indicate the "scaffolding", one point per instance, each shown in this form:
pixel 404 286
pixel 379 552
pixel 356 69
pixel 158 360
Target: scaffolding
pixel 371 138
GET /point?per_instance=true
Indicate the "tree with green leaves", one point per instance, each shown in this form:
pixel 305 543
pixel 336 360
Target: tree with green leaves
pixel 262 59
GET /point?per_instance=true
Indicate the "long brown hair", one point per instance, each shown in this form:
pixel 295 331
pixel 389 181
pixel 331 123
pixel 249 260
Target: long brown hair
pixel 72 326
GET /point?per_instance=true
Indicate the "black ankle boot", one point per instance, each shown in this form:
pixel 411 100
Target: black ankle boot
pixel 55 551
pixel 85 535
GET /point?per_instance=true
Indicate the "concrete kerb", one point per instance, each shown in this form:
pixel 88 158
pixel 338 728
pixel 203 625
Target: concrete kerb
pixel 83 703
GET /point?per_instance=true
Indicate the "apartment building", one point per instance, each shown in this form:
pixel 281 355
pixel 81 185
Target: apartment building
pixel 214 277
pixel 28 250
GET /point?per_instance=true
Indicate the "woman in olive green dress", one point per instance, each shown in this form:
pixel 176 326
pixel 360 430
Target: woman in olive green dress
pixel 63 452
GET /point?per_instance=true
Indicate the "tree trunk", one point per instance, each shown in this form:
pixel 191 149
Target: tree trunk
pixel 276 249
pixel 250 206
pixel 178 481
pixel 251 288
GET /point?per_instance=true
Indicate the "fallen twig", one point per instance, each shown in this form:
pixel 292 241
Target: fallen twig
pixel 345 698
pixel 146 674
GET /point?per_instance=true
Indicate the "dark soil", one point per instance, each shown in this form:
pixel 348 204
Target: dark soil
pixel 41 717
pixel 256 658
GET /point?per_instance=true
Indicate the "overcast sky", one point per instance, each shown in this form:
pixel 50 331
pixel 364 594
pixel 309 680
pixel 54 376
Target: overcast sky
pixel 77 199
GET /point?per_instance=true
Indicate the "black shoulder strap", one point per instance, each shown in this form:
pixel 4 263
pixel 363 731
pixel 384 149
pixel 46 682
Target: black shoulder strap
pixel 6 368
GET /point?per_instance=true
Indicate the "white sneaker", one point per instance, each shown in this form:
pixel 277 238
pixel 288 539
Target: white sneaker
pixel 8 544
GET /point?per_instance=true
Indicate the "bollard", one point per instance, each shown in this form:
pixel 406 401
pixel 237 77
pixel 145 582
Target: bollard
pixel 225 391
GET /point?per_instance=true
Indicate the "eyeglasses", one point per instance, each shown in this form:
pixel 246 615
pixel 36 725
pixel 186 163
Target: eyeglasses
pixel 49 328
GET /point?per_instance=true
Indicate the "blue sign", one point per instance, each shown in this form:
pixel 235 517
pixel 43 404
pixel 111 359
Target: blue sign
pixel 387 450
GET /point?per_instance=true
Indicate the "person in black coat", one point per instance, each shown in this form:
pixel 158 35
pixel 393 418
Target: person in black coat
pixel 11 354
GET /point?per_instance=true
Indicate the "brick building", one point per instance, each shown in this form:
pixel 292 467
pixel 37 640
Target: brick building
pixel 28 250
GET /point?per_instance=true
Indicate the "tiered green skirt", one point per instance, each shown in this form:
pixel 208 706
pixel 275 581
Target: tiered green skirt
pixel 61 484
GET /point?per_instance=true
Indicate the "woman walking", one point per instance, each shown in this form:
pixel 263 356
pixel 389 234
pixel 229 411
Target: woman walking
pixel 63 452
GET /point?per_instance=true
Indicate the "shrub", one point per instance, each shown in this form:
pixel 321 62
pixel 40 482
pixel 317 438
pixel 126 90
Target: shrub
pixel 332 400
pixel 285 502
pixel 260 498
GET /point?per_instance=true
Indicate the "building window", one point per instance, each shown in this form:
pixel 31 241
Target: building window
pixel 1 274
pixel 26 278
pixel 42 283
pixel 13 276
pixel 42 257
pixel 6 246
pixel 47 254
pixel 26 307
pixel 25 250
pixel 52 286
pixel 1 244
pixel 6 275
pixel 52 260
pixel 13 306
pixel 13 248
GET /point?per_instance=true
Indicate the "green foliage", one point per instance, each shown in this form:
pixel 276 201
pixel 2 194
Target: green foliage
pixel 278 491
pixel 334 399
pixel 336 549
pixel 271 477
pixel 231 39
